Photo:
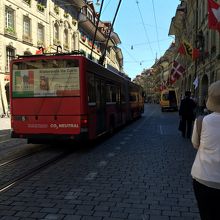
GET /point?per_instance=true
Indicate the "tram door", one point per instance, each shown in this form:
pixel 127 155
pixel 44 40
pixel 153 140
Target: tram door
pixel 100 106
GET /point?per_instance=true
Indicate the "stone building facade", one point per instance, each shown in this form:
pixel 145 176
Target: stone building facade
pixel 190 24
pixel 27 25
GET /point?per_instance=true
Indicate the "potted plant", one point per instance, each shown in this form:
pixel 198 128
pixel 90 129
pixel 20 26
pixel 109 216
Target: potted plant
pixel 40 43
pixel 28 1
pixel 90 43
pixel 56 42
pixel 40 7
pixel 66 47
pixel 83 38
pixel 66 15
pixel 10 30
pixel 27 38
pixel 56 9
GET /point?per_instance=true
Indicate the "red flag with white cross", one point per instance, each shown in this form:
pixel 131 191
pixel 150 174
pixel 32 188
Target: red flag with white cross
pixel 177 70
pixel 213 15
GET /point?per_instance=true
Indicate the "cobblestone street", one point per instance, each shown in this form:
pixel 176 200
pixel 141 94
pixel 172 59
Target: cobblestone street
pixel 141 173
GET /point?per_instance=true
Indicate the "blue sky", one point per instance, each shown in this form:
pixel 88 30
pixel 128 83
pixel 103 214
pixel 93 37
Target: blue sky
pixel 141 27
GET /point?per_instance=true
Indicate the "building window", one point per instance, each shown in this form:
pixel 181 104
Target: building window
pixel 65 38
pixel 40 35
pixel 27 27
pixel 207 42
pixel 42 2
pixel 73 42
pixel 91 88
pixel 9 20
pixel 202 10
pixel 56 34
pixel 10 54
pixel 90 16
pixel 213 42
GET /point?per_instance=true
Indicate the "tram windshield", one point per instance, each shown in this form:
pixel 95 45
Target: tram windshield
pixel 165 96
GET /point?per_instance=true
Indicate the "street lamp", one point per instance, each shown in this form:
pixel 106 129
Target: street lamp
pixel 97 3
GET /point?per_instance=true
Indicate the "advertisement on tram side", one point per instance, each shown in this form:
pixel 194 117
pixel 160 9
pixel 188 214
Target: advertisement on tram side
pixel 46 82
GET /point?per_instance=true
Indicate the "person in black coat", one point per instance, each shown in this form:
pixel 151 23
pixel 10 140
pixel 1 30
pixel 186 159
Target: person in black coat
pixel 187 114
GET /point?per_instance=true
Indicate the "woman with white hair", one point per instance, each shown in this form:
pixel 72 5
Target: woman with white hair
pixel 206 167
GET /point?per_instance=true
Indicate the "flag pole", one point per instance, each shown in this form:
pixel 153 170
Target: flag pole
pixel 195 91
pixel 177 56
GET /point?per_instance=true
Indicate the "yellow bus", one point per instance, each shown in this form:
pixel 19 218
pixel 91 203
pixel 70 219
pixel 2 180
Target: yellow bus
pixel 168 100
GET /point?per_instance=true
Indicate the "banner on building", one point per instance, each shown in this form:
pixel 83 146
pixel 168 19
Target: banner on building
pixel 195 53
pixel 213 15
pixel 177 70
pixel 196 82
pixel 185 48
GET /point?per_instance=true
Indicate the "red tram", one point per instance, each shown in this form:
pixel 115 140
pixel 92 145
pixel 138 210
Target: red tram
pixel 69 97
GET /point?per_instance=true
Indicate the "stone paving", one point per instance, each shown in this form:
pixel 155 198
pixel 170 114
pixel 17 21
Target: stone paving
pixel 141 173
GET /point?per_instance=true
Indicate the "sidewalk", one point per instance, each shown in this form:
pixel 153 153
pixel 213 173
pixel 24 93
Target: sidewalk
pixel 5 125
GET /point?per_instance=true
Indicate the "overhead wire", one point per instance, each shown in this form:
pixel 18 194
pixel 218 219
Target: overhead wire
pixel 134 60
pixel 132 57
pixel 145 30
pixel 152 42
pixel 96 28
pixel 141 61
pixel 106 5
pixel 101 60
pixel 155 20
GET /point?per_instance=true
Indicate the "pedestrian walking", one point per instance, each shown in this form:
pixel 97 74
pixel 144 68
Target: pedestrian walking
pixel 206 167
pixel 187 114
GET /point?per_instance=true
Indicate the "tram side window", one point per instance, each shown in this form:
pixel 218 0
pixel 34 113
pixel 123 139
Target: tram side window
pixel 132 97
pixel 108 93
pixel 165 96
pixel 98 92
pixel 113 94
pixel 91 88
pixel 123 94
pixel 118 96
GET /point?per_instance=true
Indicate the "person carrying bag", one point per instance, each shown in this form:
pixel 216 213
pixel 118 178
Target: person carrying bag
pixel 206 167
pixel 186 113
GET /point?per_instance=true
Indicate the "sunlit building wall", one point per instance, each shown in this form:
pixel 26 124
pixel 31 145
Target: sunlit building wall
pixel 190 23
pixel 27 25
